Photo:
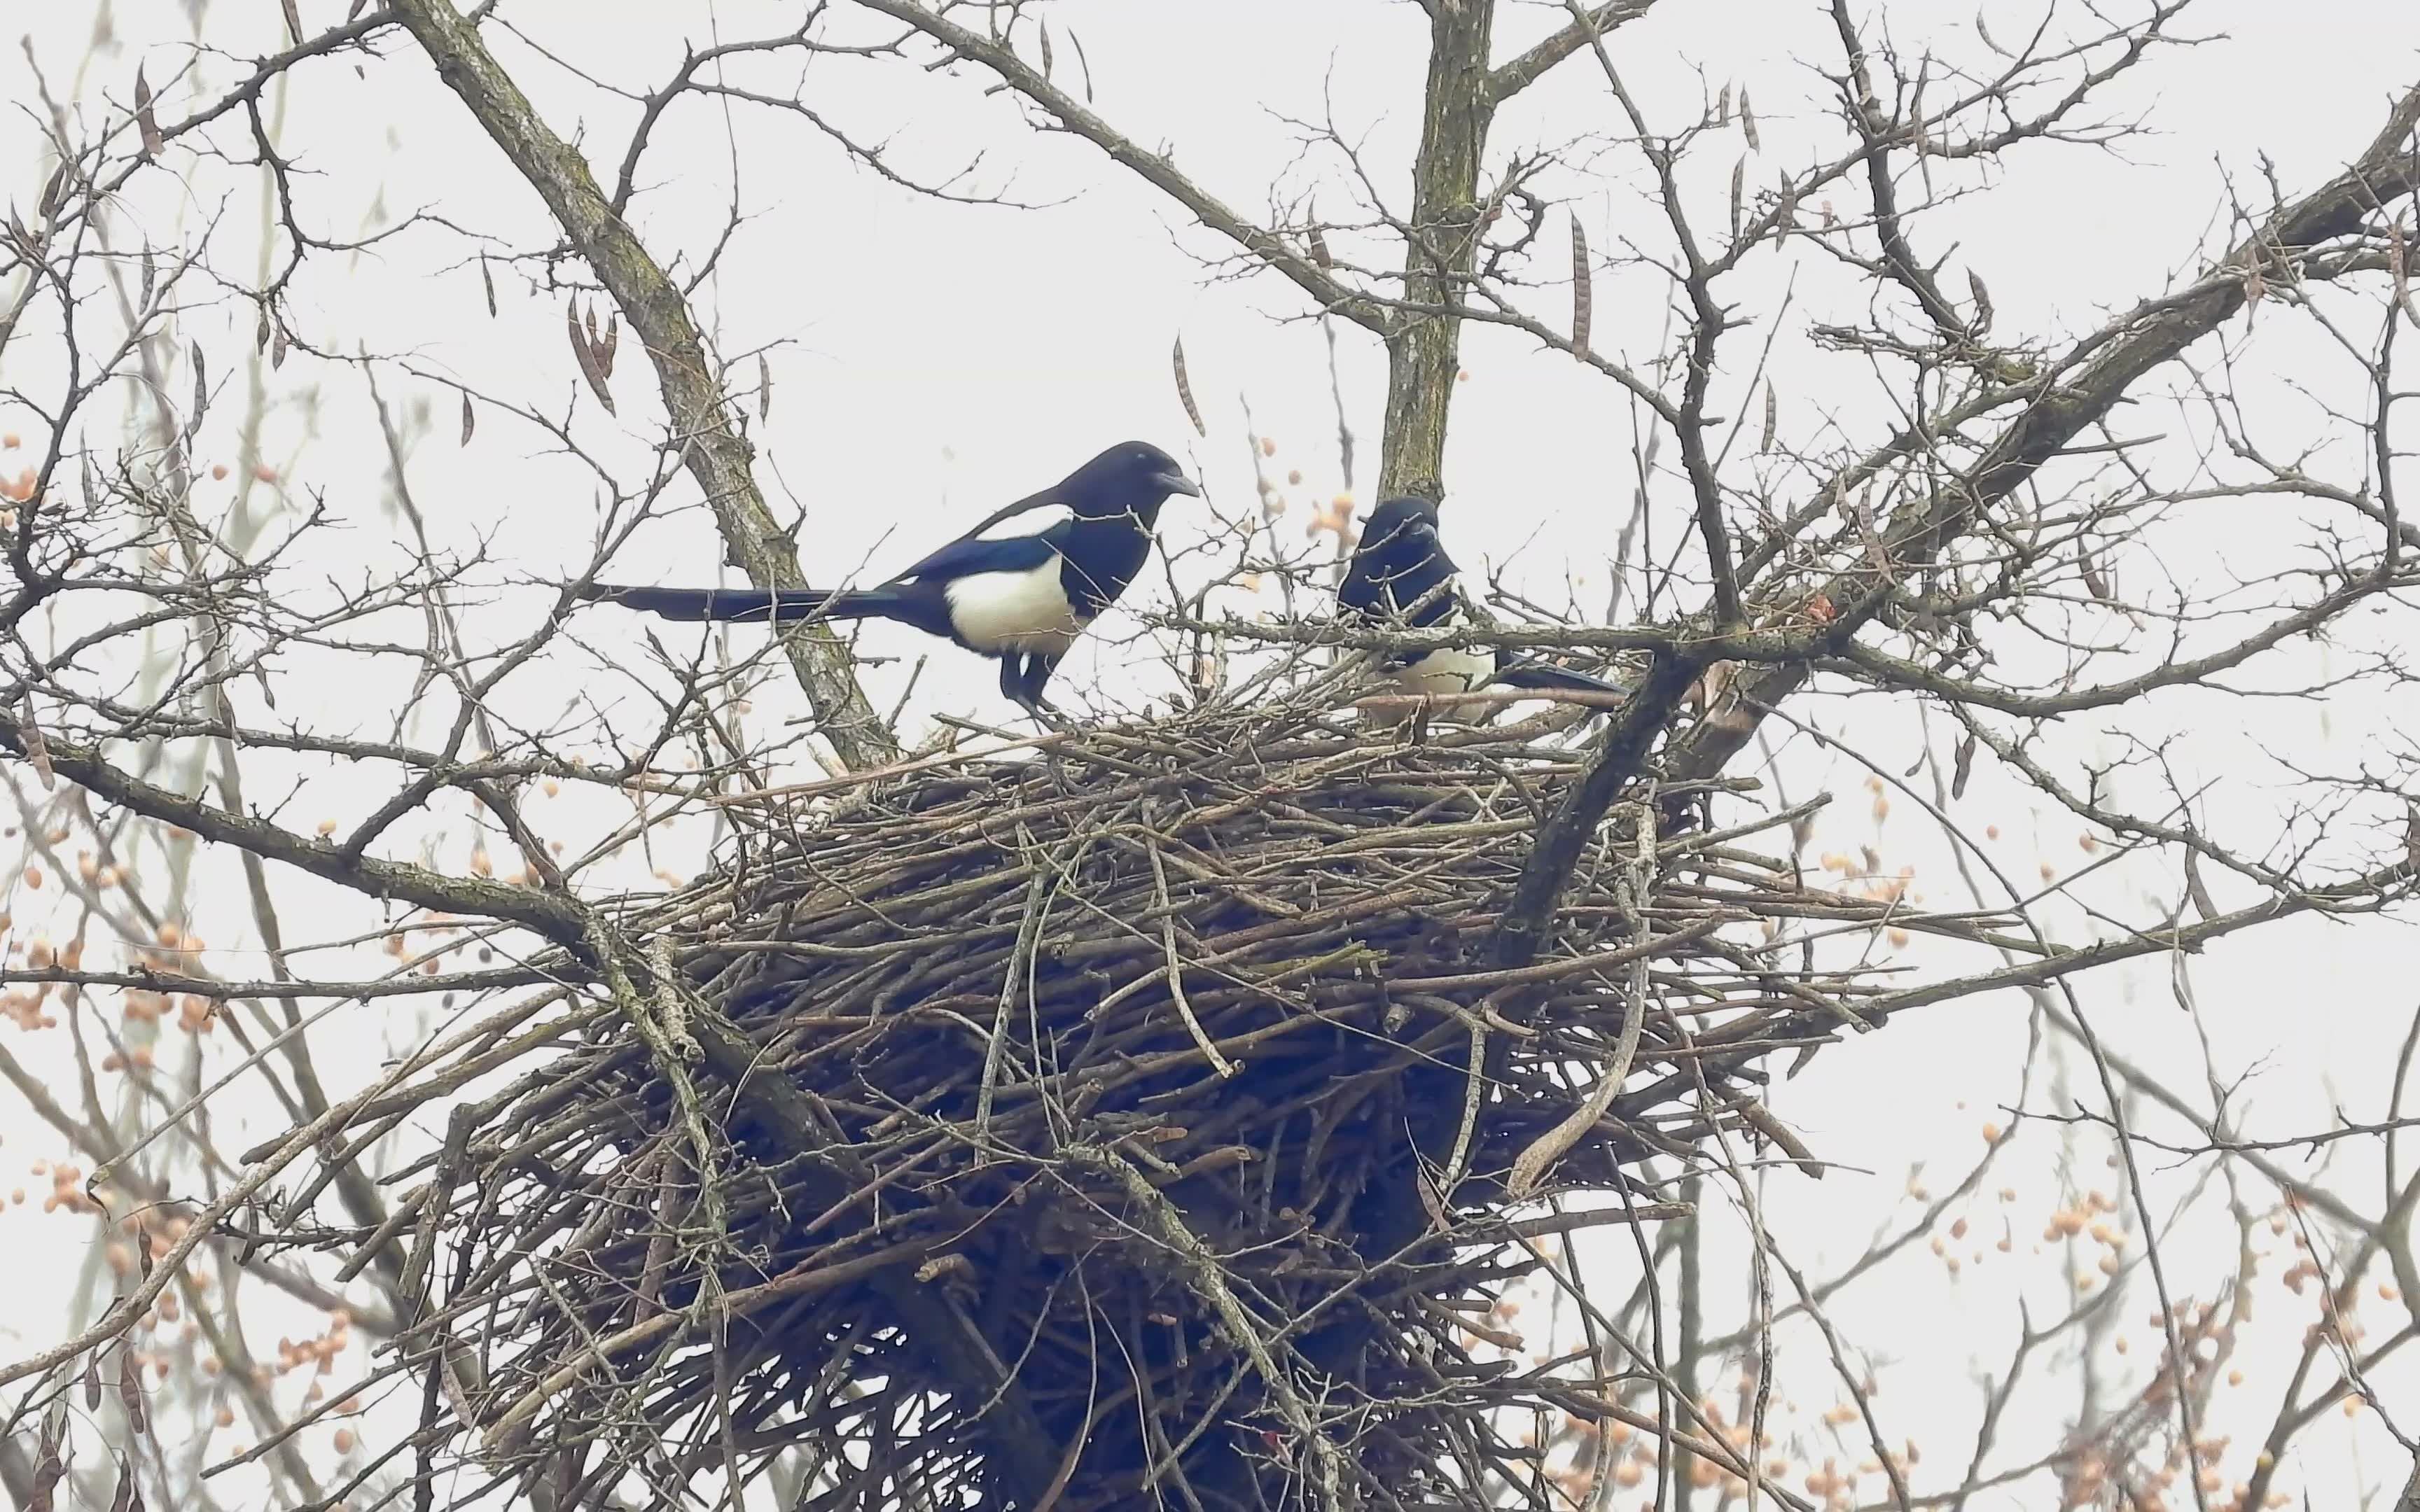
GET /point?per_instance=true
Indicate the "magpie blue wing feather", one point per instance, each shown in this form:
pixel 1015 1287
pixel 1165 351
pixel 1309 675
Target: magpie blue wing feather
pixel 1545 677
pixel 964 558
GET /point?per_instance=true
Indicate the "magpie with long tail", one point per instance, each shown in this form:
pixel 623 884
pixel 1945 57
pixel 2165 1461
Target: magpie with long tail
pixel 1022 599
pixel 1399 576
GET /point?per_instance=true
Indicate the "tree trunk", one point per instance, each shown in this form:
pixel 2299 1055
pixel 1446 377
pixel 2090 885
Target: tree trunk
pixel 1423 356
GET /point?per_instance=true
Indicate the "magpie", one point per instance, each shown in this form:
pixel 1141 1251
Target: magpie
pixel 1400 575
pixel 1023 599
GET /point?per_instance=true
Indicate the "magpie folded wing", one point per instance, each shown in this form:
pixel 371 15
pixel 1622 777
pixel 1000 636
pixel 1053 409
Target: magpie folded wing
pixel 1544 676
pixel 965 558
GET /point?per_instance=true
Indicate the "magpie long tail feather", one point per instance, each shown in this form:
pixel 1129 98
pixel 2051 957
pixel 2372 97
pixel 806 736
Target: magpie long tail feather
pixel 1545 677
pixel 746 605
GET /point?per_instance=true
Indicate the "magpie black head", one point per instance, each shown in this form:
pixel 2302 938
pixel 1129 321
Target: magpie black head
pixel 1400 563
pixel 1131 478
pixel 1402 534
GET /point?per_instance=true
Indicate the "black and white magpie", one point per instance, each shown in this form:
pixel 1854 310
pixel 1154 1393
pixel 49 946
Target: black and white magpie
pixel 1021 598
pixel 1401 575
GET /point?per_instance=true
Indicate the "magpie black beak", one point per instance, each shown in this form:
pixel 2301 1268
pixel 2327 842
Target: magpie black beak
pixel 1177 483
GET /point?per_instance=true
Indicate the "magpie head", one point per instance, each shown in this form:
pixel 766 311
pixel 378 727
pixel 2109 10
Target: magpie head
pixel 1134 477
pixel 1400 565
pixel 1402 534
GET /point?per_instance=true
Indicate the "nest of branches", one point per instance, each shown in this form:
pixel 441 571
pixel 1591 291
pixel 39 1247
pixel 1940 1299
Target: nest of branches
pixel 1145 1121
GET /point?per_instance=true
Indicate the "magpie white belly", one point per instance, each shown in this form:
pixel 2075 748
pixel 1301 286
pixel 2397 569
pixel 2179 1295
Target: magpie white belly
pixel 1446 671
pixel 1025 611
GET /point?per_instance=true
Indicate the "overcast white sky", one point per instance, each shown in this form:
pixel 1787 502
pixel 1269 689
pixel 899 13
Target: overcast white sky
pixel 931 360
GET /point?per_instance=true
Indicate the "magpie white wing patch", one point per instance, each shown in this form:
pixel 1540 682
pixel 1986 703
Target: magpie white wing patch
pixel 1026 610
pixel 1450 670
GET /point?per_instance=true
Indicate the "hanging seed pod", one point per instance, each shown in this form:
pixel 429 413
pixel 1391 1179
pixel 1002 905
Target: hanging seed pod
pixel 1184 389
pixel 37 751
pixel 1583 290
pixel 145 121
pixel 586 355
pixel 201 394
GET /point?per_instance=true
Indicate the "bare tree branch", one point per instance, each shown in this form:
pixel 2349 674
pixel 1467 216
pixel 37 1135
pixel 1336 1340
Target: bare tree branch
pixel 694 397
pixel 2094 378
pixel 1510 78
pixel 1331 293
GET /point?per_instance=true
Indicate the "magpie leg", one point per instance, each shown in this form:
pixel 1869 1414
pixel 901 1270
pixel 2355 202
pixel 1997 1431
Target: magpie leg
pixel 1049 718
pixel 1038 668
pixel 1012 677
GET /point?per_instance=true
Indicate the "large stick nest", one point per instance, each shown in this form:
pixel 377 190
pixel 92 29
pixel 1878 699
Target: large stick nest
pixel 1141 1124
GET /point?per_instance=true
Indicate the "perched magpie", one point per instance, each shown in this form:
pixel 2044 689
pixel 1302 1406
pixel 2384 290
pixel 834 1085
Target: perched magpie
pixel 1023 599
pixel 1400 575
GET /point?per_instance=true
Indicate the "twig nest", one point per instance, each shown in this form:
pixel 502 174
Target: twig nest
pixel 1081 1124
